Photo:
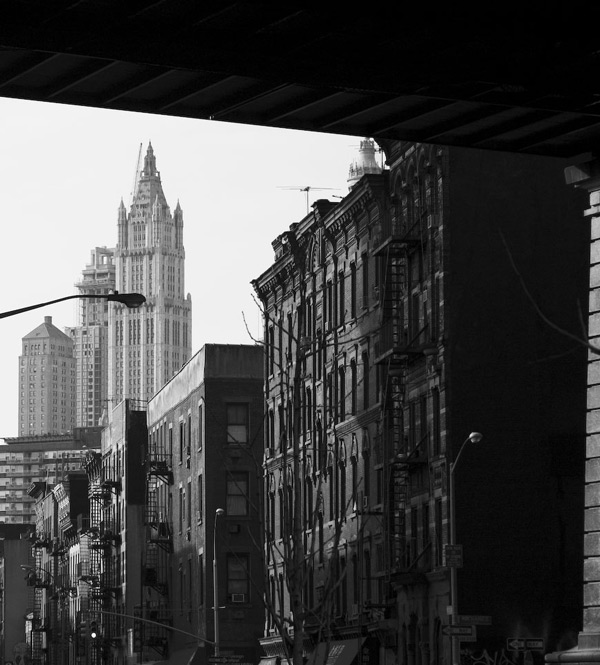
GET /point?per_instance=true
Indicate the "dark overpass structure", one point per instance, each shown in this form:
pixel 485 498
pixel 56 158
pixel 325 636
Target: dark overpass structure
pixel 520 78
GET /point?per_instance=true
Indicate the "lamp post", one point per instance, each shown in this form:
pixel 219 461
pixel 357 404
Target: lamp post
pixel 131 300
pixel 218 513
pixel 474 437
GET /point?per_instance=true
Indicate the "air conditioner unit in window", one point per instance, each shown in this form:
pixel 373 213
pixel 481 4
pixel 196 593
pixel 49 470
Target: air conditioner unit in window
pixel 238 597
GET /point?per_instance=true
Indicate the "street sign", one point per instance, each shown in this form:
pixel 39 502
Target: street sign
pixel 458 630
pixel 474 619
pixel 453 556
pixel 525 644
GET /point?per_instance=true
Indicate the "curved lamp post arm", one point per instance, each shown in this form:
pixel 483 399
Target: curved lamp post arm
pixel 131 300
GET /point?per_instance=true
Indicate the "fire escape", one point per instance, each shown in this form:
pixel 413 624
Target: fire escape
pixel 41 583
pixel 159 545
pixel 401 343
pixel 105 586
pixel 93 552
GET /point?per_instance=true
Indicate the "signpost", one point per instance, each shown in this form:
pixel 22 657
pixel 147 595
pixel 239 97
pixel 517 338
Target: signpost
pixel 453 556
pixel 525 644
pixel 474 619
pixel 462 633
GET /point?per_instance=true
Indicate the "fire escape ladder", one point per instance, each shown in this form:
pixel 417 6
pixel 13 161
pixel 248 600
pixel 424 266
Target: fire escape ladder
pixel 160 464
pixel 155 636
pixel 399 487
pixel 157 520
pixel 155 569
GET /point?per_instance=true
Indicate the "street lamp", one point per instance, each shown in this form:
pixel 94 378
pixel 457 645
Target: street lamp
pixel 474 437
pixel 218 513
pixel 131 300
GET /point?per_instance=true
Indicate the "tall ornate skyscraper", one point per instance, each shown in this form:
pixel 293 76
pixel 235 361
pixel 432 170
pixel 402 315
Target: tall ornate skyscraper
pixel 148 345
pixel 46 382
pixel 90 337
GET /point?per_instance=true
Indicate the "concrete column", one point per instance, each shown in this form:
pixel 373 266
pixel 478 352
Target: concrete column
pixel 587 176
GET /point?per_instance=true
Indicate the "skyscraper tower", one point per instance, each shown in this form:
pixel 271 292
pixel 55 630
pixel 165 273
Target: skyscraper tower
pixel 46 382
pixel 148 345
pixel 90 337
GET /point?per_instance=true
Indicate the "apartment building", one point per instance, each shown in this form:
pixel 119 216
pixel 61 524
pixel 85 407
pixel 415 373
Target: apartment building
pixel 428 304
pixel 29 459
pixel 205 449
pixel 46 381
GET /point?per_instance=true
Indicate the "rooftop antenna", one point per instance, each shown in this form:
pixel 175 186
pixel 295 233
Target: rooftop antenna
pixel 136 178
pixel 307 189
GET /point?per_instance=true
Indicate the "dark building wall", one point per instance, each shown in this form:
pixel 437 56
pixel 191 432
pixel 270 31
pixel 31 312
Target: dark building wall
pixel 512 376
pixel 193 405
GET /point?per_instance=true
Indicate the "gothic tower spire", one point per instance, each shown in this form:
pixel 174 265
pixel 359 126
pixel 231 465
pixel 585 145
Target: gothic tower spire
pixel 149 344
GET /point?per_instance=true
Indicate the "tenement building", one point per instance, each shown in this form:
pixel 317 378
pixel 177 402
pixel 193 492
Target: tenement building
pixel 46 381
pixel 202 514
pixel 148 345
pixel 422 397
pixel 90 337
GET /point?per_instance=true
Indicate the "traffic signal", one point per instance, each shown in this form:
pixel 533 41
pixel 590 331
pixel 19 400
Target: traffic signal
pixel 93 630
pixel 83 630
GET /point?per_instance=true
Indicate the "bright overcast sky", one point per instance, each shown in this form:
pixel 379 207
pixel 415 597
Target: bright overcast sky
pixel 64 170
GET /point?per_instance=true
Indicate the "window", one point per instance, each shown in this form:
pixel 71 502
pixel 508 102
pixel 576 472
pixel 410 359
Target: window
pixel 366 396
pixel 201 579
pixel 342 393
pixel 181 509
pixel 365 280
pixel 237 493
pixel 353 290
pixel 200 504
pixel 237 578
pixel 353 387
pixel 271 350
pixel 200 426
pixel 181 440
pixel 436 421
pixel 237 423
pixel 341 298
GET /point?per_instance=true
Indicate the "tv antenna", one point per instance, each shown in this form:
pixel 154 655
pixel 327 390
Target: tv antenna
pixel 308 189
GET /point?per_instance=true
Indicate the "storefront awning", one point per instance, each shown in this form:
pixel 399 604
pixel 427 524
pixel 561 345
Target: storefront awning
pixel 342 652
pixel 272 660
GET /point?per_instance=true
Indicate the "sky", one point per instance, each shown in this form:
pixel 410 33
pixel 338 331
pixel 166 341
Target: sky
pixel 64 170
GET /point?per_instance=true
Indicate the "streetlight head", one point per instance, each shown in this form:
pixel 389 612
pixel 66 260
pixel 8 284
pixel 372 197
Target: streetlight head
pixel 475 437
pixel 131 300
pixel 219 512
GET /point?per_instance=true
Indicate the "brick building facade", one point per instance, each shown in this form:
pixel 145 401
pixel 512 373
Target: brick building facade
pixel 396 322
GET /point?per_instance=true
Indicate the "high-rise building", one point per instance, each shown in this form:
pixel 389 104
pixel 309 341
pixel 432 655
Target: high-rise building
pixel 46 381
pixel 148 345
pixel 90 337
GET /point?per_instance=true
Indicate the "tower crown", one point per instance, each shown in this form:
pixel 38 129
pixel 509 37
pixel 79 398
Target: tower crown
pixel 150 163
